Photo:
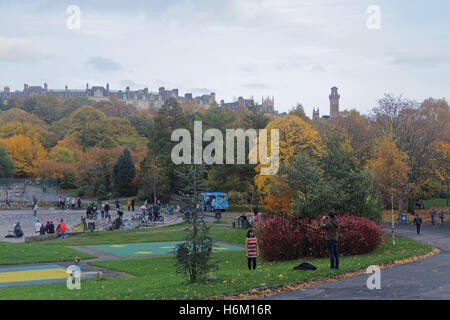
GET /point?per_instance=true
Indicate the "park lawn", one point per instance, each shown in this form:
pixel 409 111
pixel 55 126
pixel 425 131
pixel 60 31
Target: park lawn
pixel 23 253
pixel 435 203
pixel 155 278
pixel 56 250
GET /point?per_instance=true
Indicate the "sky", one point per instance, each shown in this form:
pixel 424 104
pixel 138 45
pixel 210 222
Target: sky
pixel 293 50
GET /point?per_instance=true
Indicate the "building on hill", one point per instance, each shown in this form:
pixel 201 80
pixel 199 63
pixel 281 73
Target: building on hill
pixel 334 97
pixel 267 104
pixel 141 98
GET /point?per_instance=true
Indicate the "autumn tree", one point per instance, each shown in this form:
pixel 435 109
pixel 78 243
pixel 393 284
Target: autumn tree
pixel 390 171
pixel 294 135
pixel 24 152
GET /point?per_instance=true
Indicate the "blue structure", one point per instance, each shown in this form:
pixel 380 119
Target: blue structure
pixel 214 201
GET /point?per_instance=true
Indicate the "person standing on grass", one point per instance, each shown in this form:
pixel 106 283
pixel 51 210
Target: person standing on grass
pixel 133 202
pixel 418 222
pixel 117 204
pixel 251 249
pixel 129 204
pixel 331 226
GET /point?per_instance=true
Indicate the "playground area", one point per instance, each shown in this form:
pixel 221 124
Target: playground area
pixel 32 275
pixel 152 248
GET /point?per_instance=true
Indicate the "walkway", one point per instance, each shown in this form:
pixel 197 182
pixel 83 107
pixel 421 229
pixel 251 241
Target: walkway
pixel 425 279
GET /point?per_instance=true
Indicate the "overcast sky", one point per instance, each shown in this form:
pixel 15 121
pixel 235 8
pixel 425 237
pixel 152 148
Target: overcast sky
pixel 294 50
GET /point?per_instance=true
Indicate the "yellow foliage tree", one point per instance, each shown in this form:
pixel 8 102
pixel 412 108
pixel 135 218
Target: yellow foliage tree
pixel 390 170
pixel 25 152
pixel 295 134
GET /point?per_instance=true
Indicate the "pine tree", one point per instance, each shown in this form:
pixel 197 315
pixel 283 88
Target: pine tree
pixel 101 193
pixel 124 172
pixel 194 253
pixel 6 165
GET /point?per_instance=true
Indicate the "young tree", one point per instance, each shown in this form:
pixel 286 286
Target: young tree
pixel 390 169
pixel 124 172
pixel 193 255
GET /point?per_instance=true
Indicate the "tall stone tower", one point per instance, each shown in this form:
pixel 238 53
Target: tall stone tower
pixel 316 114
pixel 334 102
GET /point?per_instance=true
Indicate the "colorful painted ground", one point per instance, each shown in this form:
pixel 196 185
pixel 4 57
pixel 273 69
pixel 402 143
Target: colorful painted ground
pixel 153 248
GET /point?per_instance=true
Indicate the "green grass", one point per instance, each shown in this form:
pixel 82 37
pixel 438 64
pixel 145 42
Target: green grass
pixel 22 253
pixel 56 250
pixel 155 278
pixel 436 203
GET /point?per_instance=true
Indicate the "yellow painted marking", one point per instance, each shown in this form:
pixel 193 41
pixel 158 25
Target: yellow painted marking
pixel 220 248
pixel 167 247
pixel 117 246
pixel 31 275
pixel 143 252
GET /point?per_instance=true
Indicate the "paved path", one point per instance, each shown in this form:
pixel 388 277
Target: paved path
pixel 425 279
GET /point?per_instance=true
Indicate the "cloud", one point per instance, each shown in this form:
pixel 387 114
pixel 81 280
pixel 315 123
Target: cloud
pixel 103 64
pixel 421 57
pixel 256 86
pixel 15 49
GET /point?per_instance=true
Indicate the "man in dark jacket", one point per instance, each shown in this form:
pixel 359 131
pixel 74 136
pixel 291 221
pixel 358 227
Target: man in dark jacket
pixel 331 225
pixel 418 222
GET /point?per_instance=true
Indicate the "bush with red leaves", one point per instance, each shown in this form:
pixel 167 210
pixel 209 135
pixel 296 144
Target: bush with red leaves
pixel 283 238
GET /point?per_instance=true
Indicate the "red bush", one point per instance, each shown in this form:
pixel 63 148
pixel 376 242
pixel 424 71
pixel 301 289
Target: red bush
pixel 288 239
pixel 281 239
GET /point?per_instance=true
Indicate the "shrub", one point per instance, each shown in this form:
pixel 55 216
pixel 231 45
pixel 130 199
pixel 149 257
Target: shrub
pixel 283 238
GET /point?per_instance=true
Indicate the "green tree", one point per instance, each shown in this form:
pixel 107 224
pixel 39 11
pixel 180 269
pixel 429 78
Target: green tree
pixel 101 193
pixel 254 118
pixel 6 165
pixel 124 172
pixel 169 118
pixel 193 255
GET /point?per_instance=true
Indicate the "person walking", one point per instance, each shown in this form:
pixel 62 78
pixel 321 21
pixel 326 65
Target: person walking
pixel 418 222
pixel 117 204
pixel 35 208
pixel 107 208
pixel 331 226
pixel 432 215
pixel 251 249
pixel 78 203
pixel 441 216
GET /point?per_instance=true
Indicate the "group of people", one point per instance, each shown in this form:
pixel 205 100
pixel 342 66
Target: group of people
pixel 433 216
pixel 42 229
pixel 418 220
pixel 69 203
pixel 149 210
